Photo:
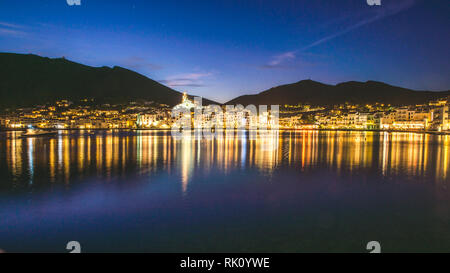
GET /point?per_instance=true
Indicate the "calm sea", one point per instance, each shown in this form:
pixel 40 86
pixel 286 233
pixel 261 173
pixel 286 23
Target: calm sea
pixel 303 191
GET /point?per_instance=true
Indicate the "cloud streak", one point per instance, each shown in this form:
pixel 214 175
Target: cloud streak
pixel 389 9
pixel 9 25
pixel 186 80
pixel 11 32
pixel 374 14
pixel 8 29
pixel 278 60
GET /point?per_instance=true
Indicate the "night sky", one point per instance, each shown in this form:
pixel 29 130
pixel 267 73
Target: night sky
pixel 222 49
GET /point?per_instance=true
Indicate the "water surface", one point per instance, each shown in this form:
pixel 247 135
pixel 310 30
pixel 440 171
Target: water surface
pixel 304 191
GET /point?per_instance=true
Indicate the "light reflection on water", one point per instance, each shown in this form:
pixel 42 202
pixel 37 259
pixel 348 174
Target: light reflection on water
pixel 325 191
pixel 108 154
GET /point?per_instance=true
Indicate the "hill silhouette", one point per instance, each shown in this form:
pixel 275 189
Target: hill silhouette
pixel 29 80
pixel 316 93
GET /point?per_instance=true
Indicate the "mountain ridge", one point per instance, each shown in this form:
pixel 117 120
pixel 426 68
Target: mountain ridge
pixel 29 80
pixel 317 93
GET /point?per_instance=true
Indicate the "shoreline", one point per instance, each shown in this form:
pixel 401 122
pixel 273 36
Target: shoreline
pixel 374 130
pixel 283 129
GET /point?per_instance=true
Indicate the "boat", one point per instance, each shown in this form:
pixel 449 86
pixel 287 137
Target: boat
pixel 38 133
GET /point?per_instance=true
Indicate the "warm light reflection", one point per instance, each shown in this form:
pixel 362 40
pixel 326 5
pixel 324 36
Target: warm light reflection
pixel 114 153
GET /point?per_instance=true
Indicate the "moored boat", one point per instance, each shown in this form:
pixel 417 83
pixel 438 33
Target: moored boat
pixel 38 133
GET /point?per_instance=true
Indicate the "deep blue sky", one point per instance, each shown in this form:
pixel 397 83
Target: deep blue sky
pixel 222 49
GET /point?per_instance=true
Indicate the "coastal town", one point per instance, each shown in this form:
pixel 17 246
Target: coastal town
pixel 430 116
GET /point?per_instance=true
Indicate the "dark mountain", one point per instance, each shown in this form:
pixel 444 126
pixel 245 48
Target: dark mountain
pixel 316 93
pixel 28 80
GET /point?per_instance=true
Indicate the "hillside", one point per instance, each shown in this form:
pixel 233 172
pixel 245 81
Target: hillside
pixel 28 80
pixel 316 93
